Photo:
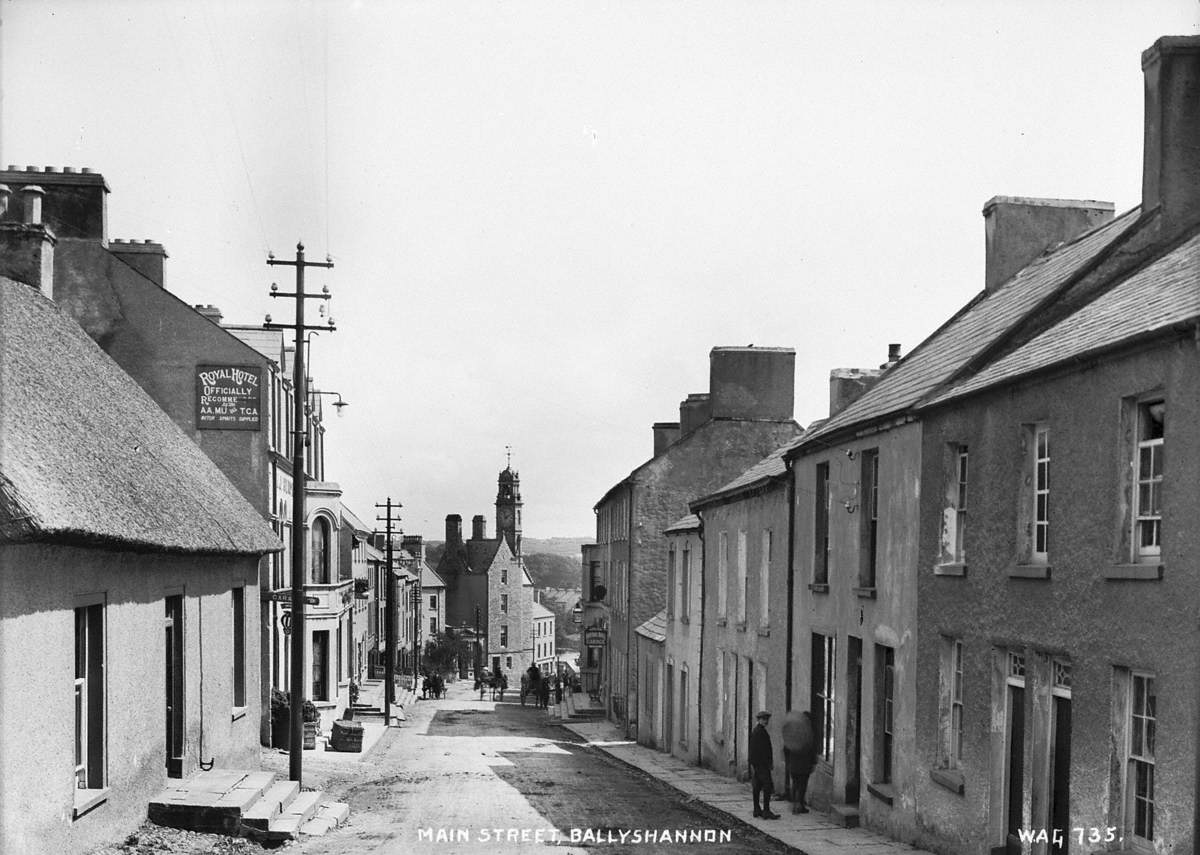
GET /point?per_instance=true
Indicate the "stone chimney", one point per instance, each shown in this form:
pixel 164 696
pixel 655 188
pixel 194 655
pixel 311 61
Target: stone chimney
pixel 1171 153
pixel 479 527
pixel 665 434
pixel 1018 229
pixel 146 257
pixel 75 204
pixel 752 382
pixel 210 312
pixel 693 412
pixel 26 244
pixel 847 385
pixel 893 356
pixel 414 544
pixel 453 530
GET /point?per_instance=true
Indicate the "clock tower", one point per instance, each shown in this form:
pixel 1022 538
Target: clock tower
pixel 508 507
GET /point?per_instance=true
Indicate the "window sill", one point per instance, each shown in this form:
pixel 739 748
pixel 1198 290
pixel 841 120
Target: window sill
pixel 238 712
pixel 722 622
pixel 741 626
pixel 865 593
pixel 88 800
pixel 764 632
pixel 1142 572
pixel 1028 571
pixel 952 569
pixel 819 587
pixel 951 779
pixel 886 793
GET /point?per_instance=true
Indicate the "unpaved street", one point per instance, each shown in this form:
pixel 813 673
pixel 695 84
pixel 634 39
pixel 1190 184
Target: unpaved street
pixel 465 775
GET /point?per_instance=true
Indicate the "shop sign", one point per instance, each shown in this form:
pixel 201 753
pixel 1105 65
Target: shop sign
pixel 228 397
pixel 595 636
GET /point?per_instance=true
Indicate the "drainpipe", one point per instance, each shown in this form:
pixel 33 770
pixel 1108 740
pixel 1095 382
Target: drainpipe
pixel 629 607
pixel 791 581
pixel 700 669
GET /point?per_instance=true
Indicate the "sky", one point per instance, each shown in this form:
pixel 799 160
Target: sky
pixel 544 215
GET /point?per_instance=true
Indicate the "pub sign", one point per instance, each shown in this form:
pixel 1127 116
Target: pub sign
pixel 228 397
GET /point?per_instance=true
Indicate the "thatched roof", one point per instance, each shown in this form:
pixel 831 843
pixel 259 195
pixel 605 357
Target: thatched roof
pixel 87 457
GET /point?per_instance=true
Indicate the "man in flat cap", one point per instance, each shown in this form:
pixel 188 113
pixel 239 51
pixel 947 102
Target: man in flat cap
pixel 762 759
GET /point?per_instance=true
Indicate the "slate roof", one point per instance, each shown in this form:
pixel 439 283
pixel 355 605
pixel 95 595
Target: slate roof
pixel 267 342
pixel 430 579
pixel 769 468
pixel 689 523
pixel 655 628
pixel 540 611
pixel 481 554
pixel 87 457
pixel 975 327
pixel 1164 293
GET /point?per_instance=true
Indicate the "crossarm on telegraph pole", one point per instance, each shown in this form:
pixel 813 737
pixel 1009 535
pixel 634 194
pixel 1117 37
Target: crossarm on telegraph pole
pixel 299 438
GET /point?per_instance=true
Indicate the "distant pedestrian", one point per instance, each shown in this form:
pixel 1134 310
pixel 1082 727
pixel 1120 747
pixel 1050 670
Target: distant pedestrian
pixel 503 686
pixel 800 755
pixel 524 686
pixel 535 684
pixel 762 759
pixel 558 689
pixel 544 688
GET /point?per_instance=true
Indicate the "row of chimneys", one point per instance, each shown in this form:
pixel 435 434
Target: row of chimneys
pixel 454 528
pixel 745 383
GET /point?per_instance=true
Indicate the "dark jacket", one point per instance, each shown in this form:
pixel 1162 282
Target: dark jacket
pixel 799 740
pixel 762 754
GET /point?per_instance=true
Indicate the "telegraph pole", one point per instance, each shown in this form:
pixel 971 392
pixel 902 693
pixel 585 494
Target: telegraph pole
pixel 299 440
pixel 389 658
pixel 416 607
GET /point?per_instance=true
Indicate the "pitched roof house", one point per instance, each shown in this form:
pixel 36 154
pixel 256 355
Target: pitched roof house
pixel 111 519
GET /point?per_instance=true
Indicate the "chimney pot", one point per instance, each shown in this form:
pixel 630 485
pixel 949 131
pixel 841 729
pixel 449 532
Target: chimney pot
pixel 69 170
pixel 33 203
pixel 30 168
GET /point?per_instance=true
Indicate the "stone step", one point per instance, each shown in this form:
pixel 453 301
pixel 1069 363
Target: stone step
pixel 338 812
pixel 308 814
pixel 845 815
pixel 211 801
pixel 304 805
pixel 271 805
pixel 286 827
pixel 316 826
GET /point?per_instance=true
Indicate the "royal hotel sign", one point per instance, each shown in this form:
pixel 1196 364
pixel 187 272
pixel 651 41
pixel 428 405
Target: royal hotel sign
pixel 228 397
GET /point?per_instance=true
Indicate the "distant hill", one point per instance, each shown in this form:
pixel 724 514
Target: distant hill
pixel 535 547
pixel 567 547
pixel 553 571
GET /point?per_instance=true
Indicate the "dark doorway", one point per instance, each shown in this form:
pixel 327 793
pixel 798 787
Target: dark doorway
pixel 669 710
pixel 174 685
pixel 320 665
pixel 854 719
pixel 1060 774
pixel 1016 766
pixel 750 710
